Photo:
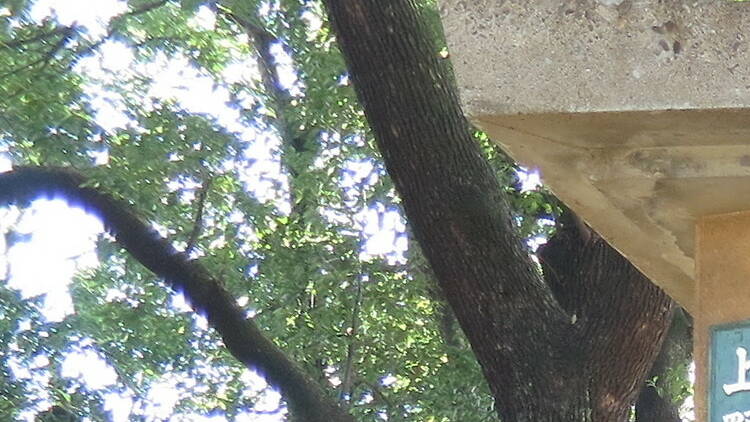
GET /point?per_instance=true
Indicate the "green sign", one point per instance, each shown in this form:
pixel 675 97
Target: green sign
pixel 729 391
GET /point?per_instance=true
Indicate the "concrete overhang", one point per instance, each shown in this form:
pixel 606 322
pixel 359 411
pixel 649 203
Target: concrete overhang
pixel 637 112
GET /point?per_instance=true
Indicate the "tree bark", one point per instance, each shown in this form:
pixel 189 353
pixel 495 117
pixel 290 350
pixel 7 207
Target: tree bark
pixel 676 353
pixel 653 407
pixel 622 316
pixel 546 356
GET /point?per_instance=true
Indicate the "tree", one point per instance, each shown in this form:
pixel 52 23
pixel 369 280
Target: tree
pixel 545 340
pixel 560 365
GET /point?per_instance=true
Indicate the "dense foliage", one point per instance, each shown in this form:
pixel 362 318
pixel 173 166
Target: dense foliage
pixel 232 128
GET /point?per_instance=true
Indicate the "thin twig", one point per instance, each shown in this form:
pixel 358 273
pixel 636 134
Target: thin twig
pixel 47 57
pixel 346 384
pixel 67 32
pixel 198 221
pixel 39 37
pixel 144 8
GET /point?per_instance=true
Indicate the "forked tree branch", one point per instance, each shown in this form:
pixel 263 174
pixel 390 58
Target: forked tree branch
pixel 207 296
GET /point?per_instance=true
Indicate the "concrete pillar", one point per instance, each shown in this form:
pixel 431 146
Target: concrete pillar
pixel 723 293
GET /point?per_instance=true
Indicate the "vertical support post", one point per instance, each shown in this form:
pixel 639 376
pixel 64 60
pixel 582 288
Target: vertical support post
pixel 722 331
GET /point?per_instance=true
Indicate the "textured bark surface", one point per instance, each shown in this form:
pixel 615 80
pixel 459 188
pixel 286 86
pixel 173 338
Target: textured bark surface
pixel 575 352
pixel 621 315
pixel 207 296
pixel 652 407
pixel 677 352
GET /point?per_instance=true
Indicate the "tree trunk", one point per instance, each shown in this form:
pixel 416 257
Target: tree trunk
pixel 546 355
pixel 653 407
pixel 676 353
pixel 622 315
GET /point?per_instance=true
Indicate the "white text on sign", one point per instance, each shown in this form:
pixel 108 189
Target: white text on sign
pixel 743 365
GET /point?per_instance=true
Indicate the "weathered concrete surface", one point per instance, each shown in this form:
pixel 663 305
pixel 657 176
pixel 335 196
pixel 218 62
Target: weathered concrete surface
pixel 636 111
pixel 546 56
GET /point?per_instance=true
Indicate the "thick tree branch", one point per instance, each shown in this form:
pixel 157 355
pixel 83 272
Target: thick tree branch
pixel 207 296
pixel 456 206
pixel 546 359
pixel 619 312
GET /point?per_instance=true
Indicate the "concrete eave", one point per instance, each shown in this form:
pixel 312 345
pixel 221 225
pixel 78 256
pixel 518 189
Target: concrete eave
pixel 637 112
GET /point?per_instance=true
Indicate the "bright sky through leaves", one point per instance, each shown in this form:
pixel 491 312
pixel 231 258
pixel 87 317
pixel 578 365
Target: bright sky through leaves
pixel 61 239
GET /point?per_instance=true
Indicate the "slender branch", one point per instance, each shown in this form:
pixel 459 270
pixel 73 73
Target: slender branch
pixel 293 141
pixel 152 40
pixel 278 305
pixel 125 378
pixel 198 222
pixel 378 395
pixel 111 27
pixel 43 36
pixel 66 33
pixel 262 41
pixel 144 8
pixel 242 337
pixel 346 383
pixel 45 59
